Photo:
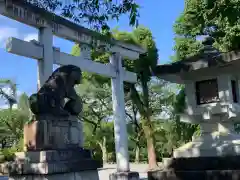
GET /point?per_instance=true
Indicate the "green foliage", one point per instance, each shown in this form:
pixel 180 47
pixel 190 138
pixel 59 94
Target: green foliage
pixel 1 157
pixel 97 109
pixel 186 47
pixel 180 104
pixel 23 104
pixel 141 36
pixel 97 101
pixel 161 98
pixel 96 12
pixel 9 154
pixel 219 19
pixel 183 131
pixel 11 123
pixel 100 140
pixel 11 98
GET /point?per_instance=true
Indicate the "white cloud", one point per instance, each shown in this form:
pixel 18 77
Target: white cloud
pixel 8 91
pixel 5 33
pixel 201 38
pixel 31 36
pixel 3 101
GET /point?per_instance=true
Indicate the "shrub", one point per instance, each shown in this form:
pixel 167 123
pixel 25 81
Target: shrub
pixel 1 157
pixel 9 153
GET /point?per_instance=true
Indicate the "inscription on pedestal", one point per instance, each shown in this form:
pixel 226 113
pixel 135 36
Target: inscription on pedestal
pixel 52 134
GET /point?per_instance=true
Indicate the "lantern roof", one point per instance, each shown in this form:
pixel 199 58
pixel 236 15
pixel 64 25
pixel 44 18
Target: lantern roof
pixel 208 57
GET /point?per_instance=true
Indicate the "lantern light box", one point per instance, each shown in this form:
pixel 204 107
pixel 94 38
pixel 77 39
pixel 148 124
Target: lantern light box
pixel 207 91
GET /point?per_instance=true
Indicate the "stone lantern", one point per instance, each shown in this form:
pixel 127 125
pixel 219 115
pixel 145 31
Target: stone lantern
pixel 212 83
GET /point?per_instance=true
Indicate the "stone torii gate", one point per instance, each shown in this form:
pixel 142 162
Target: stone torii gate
pixel 43 51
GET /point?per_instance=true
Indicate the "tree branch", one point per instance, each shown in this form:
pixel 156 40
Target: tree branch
pixel 129 115
pixel 135 97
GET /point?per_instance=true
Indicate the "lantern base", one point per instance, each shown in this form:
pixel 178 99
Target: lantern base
pixel 210 145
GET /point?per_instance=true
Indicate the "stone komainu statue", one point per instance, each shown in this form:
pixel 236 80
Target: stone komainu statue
pixel 50 99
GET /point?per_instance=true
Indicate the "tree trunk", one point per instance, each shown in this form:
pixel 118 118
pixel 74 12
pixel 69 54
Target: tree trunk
pixel 147 125
pixel 137 153
pixel 144 111
pixel 104 150
pixel 103 147
pixel 152 160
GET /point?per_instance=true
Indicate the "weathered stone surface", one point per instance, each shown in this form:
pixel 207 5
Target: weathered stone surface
pixel 213 143
pixel 53 155
pixel 32 135
pixel 21 178
pixel 50 133
pixel 85 175
pixel 50 99
pixel 199 168
pixel 19 168
pixel 195 175
pixel 124 176
pixel 66 176
pixel 204 163
pixel 10 168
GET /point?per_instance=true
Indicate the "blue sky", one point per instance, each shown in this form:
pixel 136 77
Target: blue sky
pixel 158 15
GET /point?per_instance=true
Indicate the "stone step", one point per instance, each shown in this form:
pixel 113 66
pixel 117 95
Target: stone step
pixel 18 168
pixel 203 163
pixel 195 175
pixel 53 155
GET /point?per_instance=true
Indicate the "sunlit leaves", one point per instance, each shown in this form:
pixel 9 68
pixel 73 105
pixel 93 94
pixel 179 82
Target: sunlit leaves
pixel 219 19
pixel 93 12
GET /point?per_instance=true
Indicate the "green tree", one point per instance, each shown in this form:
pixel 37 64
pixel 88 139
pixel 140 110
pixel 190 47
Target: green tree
pixel 96 12
pixel 11 98
pixel 141 36
pixel 185 47
pixel 23 103
pixel 97 109
pixel 161 98
pixel 101 140
pixel 12 122
pixel 183 131
pixel 198 20
pixel 135 133
pixel 219 19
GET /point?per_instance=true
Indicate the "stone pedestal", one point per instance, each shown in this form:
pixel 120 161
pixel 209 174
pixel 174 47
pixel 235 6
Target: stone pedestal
pixel 124 176
pixel 217 139
pixel 215 155
pixel 199 168
pixel 49 133
pixel 53 152
pixel 50 164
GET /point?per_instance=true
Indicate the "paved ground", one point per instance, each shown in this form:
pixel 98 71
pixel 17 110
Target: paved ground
pixel 110 168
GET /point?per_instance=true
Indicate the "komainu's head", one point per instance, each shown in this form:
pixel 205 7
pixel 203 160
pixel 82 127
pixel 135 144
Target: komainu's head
pixel 71 72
